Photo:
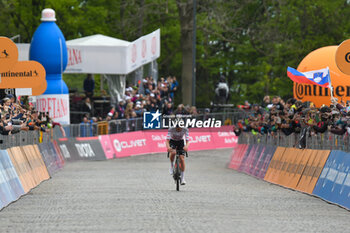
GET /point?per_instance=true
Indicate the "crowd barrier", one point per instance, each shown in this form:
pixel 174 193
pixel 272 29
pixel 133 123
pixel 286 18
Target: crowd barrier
pixel 24 167
pixel 322 173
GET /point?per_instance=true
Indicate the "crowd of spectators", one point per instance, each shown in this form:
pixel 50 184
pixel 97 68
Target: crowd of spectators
pixel 16 116
pixel 275 115
pixel 151 96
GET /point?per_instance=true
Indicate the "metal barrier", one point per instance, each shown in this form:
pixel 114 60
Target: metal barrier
pixel 23 138
pixel 325 141
pixel 313 141
pixel 100 128
pixel 135 124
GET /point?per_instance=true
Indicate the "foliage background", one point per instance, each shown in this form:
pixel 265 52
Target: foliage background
pixel 251 42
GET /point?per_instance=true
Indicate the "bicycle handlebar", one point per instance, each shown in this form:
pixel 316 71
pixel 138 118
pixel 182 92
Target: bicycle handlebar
pixel 180 152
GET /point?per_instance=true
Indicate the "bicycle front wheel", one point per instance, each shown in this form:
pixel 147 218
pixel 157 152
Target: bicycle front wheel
pixel 178 172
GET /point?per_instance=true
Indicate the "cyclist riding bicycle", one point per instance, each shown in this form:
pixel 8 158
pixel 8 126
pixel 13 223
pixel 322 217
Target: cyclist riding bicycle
pixel 174 142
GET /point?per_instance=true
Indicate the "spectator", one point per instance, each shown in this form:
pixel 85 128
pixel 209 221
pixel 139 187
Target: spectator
pixel 87 106
pixel 89 86
pixel 173 87
pixel 222 91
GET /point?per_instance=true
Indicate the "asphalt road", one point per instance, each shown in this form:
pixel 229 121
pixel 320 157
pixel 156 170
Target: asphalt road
pixel 137 194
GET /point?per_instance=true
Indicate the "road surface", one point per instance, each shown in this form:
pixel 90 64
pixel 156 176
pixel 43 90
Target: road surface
pixel 137 194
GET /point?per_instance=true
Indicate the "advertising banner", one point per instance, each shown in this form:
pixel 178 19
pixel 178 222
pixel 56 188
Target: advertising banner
pixel 57 105
pixel 251 168
pixel 51 158
pixel 224 137
pixel 156 140
pixel 142 51
pixel 200 139
pixel 238 155
pixel 128 144
pixel 342 184
pixel 56 148
pixel 326 183
pixel 22 168
pixel 248 157
pixel 37 165
pixel 67 149
pixel 6 195
pixel 311 174
pixel 22 75
pixel 264 161
pixel 284 174
pixel 10 186
pixel 107 146
pixel 273 167
pixel 89 148
pixel 320 59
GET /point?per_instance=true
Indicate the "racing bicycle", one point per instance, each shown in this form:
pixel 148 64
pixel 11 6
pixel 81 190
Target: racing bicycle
pixel 177 169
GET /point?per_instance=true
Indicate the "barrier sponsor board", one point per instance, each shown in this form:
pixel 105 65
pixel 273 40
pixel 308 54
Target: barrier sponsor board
pixel 59 159
pixel 10 186
pixel 107 146
pixel 248 157
pixel 156 140
pixel 285 173
pixel 254 161
pixel 238 155
pixel 224 137
pixel 89 148
pixel 67 149
pixel 22 168
pixel 263 162
pixel 201 139
pixel 132 143
pixel 36 163
pixel 274 164
pixel 333 184
pixel 51 158
pixel 85 148
pixel 312 171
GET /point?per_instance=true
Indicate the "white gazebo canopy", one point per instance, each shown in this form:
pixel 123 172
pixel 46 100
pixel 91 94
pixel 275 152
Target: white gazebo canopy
pixel 111 57
pixel 99 54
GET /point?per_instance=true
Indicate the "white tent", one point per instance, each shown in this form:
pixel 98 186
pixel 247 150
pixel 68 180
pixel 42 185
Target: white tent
pixel 99 54
pixel 114 58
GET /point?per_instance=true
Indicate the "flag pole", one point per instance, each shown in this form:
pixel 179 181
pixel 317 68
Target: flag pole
pixel 330 84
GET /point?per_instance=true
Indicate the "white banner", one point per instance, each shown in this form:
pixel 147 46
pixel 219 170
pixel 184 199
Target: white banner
pixel 143 50
pixel 56 105
pixel 109 57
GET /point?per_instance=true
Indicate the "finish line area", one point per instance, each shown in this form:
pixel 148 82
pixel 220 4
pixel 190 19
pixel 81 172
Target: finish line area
pixel 138 194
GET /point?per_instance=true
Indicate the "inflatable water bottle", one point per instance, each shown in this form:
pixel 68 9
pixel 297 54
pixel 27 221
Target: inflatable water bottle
pixel 48 47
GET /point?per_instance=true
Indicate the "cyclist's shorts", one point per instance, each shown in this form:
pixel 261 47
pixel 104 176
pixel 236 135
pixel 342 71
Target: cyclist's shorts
pixel 178 145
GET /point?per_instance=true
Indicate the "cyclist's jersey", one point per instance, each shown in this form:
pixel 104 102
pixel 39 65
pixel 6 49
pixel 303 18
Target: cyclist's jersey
pixel 177 135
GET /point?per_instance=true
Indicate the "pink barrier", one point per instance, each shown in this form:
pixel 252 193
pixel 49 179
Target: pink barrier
pixel 224 137
pixel 132 143
pixel 153 141
pixel 156 140
pixel 201 139
pixel 107 146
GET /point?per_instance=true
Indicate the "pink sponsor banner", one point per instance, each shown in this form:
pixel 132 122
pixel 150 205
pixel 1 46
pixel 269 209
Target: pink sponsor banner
pixel 200 139
pixel 107 146
pixel 128 144
pixel 224 137
pixel 156 140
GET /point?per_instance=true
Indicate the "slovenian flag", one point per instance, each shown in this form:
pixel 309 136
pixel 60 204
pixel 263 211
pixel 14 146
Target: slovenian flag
pixel 315 77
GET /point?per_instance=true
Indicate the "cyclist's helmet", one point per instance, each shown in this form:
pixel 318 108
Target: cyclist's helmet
pixel 179 123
